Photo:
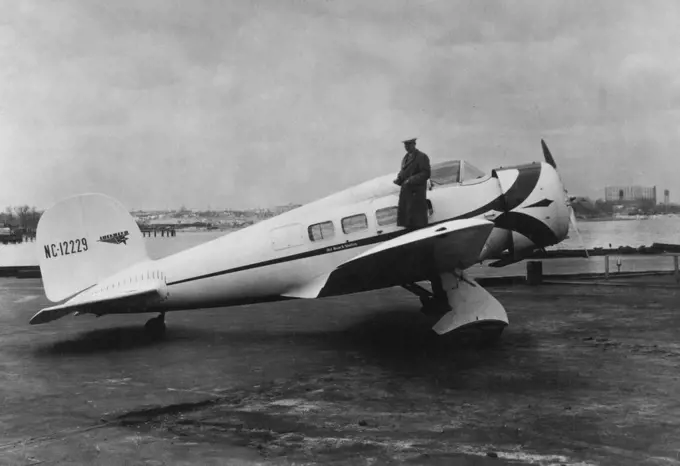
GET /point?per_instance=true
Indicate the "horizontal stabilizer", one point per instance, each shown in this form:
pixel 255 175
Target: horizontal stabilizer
pixel 111 297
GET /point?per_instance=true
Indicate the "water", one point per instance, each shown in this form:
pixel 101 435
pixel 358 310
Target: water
pixel 663 229
pixel 595 234
pixel 159 247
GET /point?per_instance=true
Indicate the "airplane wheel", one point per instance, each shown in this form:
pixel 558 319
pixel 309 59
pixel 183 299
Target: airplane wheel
pixel 433 307
pixel 156 327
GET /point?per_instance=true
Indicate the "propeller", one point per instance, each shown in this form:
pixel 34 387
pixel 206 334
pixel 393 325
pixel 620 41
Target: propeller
pixel 570 199
pixel 572 222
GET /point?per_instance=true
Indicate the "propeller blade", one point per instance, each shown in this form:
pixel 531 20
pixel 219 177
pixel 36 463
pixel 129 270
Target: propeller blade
pixel 572 221
pixel 511 247
pixel 572 217
pixel 547 155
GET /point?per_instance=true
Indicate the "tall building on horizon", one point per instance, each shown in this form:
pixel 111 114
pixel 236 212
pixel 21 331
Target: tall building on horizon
pixel 630 194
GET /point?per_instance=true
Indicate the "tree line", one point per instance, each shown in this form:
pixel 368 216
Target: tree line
pixel 23 216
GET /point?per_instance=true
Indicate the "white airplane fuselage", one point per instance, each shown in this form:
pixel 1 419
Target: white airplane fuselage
pixel 268 260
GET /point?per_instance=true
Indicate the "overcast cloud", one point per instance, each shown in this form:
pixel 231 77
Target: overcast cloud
pixel 260 103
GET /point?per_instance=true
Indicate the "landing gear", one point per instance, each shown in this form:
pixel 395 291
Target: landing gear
pixel 459 303
pixel 434 304
pixel 155 327
pixel 434 307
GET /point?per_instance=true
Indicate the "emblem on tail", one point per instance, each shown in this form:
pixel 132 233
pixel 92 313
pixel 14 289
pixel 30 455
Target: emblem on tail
pixel 115 238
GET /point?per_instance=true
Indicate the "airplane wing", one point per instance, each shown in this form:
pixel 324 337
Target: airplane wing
pixel 409 258
pixel 105 299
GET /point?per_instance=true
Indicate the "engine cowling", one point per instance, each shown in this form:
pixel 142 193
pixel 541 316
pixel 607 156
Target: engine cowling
pixel 534 211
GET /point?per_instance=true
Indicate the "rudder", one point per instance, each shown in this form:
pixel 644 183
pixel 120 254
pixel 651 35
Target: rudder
pixel 84 239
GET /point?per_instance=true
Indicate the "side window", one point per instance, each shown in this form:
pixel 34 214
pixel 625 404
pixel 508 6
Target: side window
pixel 288 236
pixel 430 209
pixel 354 223
pixel 319 231
pixel 386 216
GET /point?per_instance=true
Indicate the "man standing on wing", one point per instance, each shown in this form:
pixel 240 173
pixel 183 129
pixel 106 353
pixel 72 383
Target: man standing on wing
pixel 412 178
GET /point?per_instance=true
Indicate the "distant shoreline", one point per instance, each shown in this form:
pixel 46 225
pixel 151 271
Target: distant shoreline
pixel 605 219
pixel 613 219
pixel 192 229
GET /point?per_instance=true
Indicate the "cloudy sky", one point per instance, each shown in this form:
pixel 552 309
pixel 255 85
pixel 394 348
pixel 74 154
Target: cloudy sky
pixel 257 103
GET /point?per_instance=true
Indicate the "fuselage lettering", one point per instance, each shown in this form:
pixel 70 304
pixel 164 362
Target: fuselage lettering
pixel 65 248
pixel 340 247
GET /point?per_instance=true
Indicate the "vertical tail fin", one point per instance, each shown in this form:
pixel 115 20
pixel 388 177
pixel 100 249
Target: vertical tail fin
pixel 84 239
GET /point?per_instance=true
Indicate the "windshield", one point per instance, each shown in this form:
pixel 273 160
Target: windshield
pixel 470 172
pixel 445 172
pixel 454 171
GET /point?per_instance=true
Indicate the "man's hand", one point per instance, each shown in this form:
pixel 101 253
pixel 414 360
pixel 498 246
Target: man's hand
pixel 396 181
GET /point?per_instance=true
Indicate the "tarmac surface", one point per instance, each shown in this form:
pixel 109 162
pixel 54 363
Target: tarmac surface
pixel 584 375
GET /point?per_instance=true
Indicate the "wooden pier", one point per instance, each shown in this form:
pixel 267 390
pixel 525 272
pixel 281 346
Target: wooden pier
pixel 162 232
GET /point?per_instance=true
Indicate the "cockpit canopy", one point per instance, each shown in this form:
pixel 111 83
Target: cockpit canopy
pixel 454 171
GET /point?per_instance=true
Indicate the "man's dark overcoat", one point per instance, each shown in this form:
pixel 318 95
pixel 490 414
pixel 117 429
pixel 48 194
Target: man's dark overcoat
pixel 415 171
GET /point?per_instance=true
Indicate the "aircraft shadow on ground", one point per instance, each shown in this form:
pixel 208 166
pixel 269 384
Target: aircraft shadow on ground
pixel 404 344
pixel 101 341
pixel 400 342
pixel 394 334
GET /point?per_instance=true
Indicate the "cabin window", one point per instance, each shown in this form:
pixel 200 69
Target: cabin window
pixel 386 216
pixel 354 223
pixel 287 236
pixel 319 231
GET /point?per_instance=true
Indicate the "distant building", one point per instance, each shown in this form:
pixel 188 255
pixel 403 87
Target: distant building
pixel 278 210
pixel 630 195
pixel 631 200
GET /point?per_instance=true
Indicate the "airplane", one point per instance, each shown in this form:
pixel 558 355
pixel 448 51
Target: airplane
pixel 93 258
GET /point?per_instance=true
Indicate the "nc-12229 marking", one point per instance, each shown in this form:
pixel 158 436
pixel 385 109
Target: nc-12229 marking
pixel 65 248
